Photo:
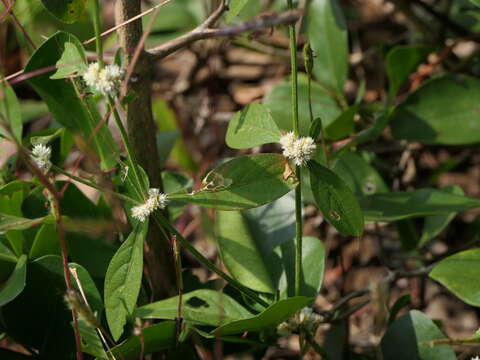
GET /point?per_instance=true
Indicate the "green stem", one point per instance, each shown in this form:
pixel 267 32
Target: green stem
pixel 313 343
pixel 130 154
pixel 97 25
pixel 211 266
pixel 93 185
pixel 298 172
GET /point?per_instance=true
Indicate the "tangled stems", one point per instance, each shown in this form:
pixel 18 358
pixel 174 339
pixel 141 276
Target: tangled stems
pixel 298 173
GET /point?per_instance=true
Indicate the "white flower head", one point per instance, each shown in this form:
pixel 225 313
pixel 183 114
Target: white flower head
pixel 305 318
pixel 107 80
pixel 298 149
pixel 156 200
pixel 41 156
pixel 91 75
pixel 476 358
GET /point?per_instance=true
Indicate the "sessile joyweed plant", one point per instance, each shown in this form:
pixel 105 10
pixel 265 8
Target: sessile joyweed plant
pixel 130 297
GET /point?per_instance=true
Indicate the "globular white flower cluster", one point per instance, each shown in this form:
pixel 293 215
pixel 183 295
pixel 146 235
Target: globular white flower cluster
pixel 41 156
pixel 476 358
pixel 107 80
pixel 156 200
pixel 297 149
pixel 305 319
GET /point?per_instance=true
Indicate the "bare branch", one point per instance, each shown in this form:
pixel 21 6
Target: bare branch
pixel 212 19
pixel 200 33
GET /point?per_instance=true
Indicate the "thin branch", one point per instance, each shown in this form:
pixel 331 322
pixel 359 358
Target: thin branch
pixel 9 9
pixel 116 27
pixel 200 33
pixel 212 19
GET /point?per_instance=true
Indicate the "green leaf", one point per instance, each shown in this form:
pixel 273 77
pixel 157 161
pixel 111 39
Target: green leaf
pixel 342 126
pixel 89 288
pixel 475 2
pixel 201 307
pixel 270 317
pixel 72 62
pixel 166 141
pixel 242 183
pixel 408 337
pixel 91 343
pixel 34 140
pixel 459 274
pixel 8 223
pixel 253 126
pixel 38 317
pixel 335 199
pixel 66 11
pixel 234 8
pixel 10 112
pixel 16 282
pixel 154 338
pixel 329 40
pixel 239 252
pixel 46 242
pixel 123 280
pixel 258 249
pixel 313 266
pixel 408 204
pixel 400 303
pixel 401 61
pixel 174 182
pixel 434 225
pixel 278 100
pixel 78 115
pixel 442 111
pixel 362 178
pixel 315 129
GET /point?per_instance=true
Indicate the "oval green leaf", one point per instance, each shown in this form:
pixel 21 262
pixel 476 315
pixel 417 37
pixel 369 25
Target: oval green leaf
pixel 459 274
pixel 46 242
pixel 72 62
pixel 329 40
pixel 234 9
pixel 242 183
pixel 335 199
pixel 67 11
pixel 123 280
pixel 278 100
pixel 15 283
pixel 201 307
pixel 408 204
pixel 239 252
pixel 154 338
pixel 270 317
pixel 253 126
pixel 434 225
pixel 443 111
pixel 402 60
pixel 362 178
pixel 258 249
pixel 10 113
pixel 408 337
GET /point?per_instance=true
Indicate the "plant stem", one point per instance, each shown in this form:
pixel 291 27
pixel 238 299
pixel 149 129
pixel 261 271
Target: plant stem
pixel 313 343
pixel 298 172
pixel 97 28
pixel 178 270
pixel 130 154
pixel 211 266
pixel 93 185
